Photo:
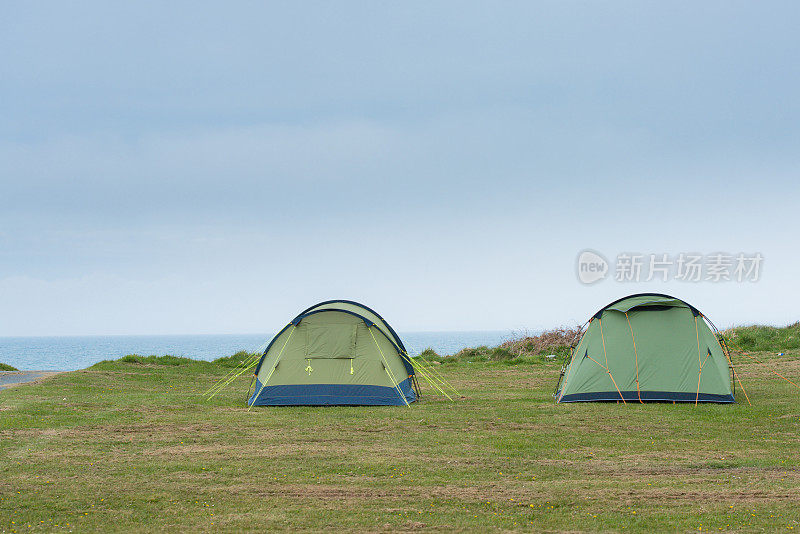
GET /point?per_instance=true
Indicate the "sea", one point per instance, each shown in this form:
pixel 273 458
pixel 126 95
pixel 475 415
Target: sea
pixel 78 352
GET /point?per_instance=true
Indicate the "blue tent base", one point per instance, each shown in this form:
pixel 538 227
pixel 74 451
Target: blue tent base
pixel 331 395
pixel 646 396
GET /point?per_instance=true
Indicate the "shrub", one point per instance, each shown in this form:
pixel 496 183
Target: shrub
pixel 557 341
pixel 523 349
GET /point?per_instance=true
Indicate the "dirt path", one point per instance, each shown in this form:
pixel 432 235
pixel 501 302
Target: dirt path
pixel 14 378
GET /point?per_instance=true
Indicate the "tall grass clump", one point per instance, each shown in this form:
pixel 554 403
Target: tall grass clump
pixel 136 359
pixel 232 361
pixel 156 360
pixel 236 359
pixel 764 338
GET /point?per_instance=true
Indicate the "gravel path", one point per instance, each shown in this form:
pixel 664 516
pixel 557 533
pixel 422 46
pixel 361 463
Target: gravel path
pixel 12 378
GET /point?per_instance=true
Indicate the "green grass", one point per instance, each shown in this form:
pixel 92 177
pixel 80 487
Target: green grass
pixel 764 338
pixel 6 367
pixel 131 446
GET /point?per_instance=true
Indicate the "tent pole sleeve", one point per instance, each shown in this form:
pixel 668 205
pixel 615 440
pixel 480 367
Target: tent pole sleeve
pixel 602 337
pixel 699 360
pixel 635 359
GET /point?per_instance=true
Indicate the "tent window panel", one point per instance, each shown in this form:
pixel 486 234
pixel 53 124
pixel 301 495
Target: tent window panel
pixel 335 341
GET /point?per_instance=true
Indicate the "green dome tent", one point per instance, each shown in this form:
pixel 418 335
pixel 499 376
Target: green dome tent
pixel 338 352
pixel 647 347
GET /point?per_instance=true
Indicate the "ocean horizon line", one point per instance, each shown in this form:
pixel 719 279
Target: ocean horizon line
pixel 269 334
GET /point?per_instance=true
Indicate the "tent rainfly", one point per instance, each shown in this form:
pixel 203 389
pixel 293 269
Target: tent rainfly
pixel 648 347
pixel 338 352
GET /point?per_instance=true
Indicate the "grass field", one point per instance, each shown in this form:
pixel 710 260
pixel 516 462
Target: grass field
pixel 130 446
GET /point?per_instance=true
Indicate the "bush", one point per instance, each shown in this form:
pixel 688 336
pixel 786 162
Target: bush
pixel 485 354
pixel 430 354
pixel 558 341
pixel 6 367
pixel 525 349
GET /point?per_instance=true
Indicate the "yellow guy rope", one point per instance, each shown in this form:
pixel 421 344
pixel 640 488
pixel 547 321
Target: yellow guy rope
pixel 600 320
pixel 429 374
pixel 232 371
pixel 241 364
pixel 424 375
pixel 232 378
pixel 429 368
pixel 246 364
pixel 263 385
pixel 388 371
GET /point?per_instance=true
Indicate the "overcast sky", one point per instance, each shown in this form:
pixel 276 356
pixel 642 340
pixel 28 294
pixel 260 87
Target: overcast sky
pixel 217 168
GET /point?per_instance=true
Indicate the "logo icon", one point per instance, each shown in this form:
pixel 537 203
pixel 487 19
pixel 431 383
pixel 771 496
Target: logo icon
pixel 592 267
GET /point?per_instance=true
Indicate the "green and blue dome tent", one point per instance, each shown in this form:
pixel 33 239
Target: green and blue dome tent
pixel 338 352
pixel 648 347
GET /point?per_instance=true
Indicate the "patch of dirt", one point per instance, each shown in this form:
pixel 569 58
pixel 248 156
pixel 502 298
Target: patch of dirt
pixel 326 492
pixel 723 495
pixel 215 451
pixel 484 492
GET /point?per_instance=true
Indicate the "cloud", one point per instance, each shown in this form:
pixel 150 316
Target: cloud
pixel 445 160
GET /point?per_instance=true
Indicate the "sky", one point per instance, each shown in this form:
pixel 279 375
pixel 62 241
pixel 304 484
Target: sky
pixel 191 167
